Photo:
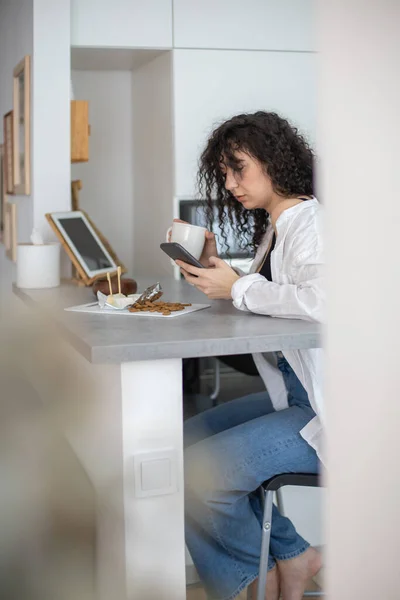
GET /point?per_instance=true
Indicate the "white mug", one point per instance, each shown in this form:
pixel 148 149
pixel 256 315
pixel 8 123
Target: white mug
pixel 191 237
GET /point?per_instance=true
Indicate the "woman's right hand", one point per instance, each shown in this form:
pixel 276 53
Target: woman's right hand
pixel 210 246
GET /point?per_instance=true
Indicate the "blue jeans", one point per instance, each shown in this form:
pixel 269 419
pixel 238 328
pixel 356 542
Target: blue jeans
pixel 229 451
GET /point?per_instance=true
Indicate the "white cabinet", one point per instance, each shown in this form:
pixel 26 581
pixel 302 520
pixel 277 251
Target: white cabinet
pixel 212 85
pixel 253 24
pixel 121 23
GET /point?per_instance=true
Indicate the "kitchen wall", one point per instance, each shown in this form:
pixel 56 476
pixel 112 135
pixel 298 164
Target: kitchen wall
pixel 107 193
pixel 41 29
pixel 51 159
pixel 153 163
pixel 213 85
pixel 16 40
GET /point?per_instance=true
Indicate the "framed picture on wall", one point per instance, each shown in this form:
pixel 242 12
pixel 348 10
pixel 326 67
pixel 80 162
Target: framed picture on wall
pixel 8 127
pixel 2 191
pixel 22 126
pixel 10 230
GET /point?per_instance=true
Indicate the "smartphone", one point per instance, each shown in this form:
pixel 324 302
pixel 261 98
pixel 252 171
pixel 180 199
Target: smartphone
pixel 178 252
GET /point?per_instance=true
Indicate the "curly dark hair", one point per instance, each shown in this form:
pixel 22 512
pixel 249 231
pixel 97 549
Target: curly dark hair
pixel 277 145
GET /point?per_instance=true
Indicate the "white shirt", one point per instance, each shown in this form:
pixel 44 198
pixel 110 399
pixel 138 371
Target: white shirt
pixel 296 292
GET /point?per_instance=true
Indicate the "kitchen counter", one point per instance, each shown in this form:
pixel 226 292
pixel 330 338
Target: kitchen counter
pixel 218 330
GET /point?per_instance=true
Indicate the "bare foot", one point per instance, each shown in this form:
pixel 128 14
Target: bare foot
pixel 272 590
pixel 296 572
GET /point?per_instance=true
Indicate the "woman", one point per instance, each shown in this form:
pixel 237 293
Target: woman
pixel 260 172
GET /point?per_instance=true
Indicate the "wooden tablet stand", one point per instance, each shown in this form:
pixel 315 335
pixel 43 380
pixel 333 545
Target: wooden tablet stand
pixel 80 277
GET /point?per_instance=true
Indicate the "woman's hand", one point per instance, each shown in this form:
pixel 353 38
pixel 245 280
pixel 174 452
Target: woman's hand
pixel 210 246
pixel 209 250
pixel 216 282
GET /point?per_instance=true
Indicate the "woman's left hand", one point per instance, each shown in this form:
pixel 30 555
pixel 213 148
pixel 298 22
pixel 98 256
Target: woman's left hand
pixel 215 282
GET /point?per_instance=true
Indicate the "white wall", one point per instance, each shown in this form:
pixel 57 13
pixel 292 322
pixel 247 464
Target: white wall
pixel 212 85
pixel 360 131
pixel 153 163
pixel 121 23
pixel 107 193
pixel 39 28
pixel 16 40
pixel 51 157
pixel 253 25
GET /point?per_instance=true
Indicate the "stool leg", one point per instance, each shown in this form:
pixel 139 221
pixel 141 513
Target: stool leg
pixel 266 536
pixel 279 501
pixel 217 382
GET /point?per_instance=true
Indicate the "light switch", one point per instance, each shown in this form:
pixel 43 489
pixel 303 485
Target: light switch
pixel 156 473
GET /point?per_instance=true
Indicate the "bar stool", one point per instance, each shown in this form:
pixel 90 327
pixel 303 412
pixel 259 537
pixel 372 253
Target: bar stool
pixel 267 490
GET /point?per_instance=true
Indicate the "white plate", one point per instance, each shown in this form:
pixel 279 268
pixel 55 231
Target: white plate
pixel 96 310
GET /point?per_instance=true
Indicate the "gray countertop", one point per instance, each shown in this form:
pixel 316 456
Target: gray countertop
pixel 218 330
